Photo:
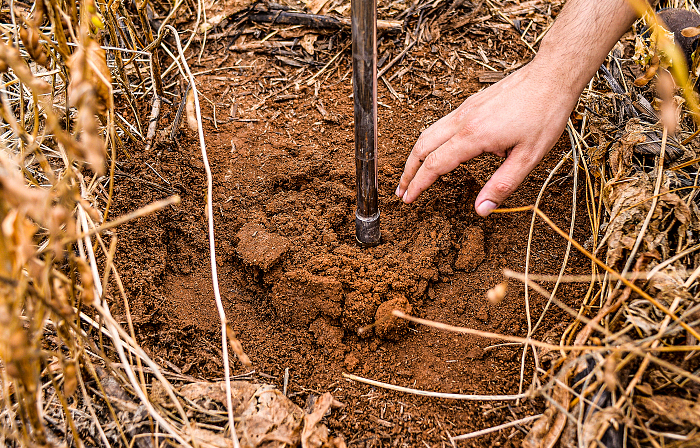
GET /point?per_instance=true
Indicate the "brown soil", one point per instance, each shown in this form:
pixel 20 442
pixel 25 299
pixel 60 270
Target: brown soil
pixel 295 285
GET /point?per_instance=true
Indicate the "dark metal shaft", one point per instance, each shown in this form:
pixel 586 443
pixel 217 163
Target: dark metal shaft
pixel 364 78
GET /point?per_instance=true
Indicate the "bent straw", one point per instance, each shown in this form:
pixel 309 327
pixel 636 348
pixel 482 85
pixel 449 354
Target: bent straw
pixel 483 432
pixel 212 249
pixel 426 393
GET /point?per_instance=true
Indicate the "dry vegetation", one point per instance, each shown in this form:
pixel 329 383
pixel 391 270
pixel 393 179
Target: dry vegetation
pixel 74 77
pixel 69 373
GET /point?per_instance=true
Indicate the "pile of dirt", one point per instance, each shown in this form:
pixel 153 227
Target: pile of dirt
pixel 297 287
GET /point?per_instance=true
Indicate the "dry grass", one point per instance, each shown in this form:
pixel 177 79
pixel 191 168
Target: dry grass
pixel 59 125
pixel 63 67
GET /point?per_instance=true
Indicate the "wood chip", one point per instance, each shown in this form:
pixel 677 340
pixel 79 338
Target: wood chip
pixel 488 76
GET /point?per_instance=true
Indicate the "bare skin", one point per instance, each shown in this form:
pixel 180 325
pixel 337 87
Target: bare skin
pixel 522 116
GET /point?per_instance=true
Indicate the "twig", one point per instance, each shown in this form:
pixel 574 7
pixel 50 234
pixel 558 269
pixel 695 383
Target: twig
pixel 212 248
pixel 425 393
pixel 396 59
pixel 153 122
pixel 143 211
pixel 483 432
pixel 311 79
pixel 317 21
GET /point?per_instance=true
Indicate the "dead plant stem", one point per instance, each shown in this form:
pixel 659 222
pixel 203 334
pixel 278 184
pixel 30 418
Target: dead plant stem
pixel 212 248
pixel 434 394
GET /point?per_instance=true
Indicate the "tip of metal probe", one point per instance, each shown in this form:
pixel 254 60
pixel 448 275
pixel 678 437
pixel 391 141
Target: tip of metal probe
pixel 367 230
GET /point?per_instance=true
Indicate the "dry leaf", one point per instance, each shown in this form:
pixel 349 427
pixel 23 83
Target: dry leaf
pixel 315 435
pixel 595 423
pixel 307 42
pixel 314 6
pixel 267 418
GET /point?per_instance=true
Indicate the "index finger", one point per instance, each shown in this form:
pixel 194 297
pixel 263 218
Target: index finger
pixel 444 159
pixel 430 139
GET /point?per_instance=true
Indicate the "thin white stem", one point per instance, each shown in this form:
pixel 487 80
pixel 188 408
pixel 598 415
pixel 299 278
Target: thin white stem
pixel 531 330
pixel 426 393
pixel 483 432
pixel 212 249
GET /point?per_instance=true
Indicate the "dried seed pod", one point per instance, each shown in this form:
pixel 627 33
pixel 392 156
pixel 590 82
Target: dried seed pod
pixel 30 38
pixel 61 301
pixel 10 56
pixel 37 17
pixel 70 379
pixel 88 68
pixel 87 281
pixel 691 31
pixel 19 353
pixel 237 348
pixel 90 92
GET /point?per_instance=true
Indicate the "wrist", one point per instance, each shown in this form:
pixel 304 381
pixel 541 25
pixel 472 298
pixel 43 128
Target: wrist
pixel 558 78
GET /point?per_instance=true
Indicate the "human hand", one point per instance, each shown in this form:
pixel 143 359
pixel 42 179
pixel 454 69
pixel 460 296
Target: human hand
pixel 520 118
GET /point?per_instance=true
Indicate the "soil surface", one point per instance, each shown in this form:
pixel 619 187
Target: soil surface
pixel 297 288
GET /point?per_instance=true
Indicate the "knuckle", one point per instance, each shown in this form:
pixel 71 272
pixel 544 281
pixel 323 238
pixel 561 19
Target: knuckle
pixel 470 128
pixel 504 187
pixel 527 157
pixel 420 149
pixel 432 163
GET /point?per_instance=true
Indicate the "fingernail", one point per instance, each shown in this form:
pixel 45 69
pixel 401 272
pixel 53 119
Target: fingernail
pixel 485 208
pixel 403 196
pixel 398 191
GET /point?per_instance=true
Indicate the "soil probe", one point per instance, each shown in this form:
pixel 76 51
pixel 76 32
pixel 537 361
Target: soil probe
pixel 364 79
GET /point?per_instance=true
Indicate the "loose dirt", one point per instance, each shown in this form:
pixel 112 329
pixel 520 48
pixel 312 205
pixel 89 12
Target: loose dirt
pixel 296 286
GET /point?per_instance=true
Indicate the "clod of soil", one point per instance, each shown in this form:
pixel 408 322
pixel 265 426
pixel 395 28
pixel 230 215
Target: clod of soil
pixel 300 297
pixel 258 247
pixel 471 253
pixel 327 335
pixel 386 324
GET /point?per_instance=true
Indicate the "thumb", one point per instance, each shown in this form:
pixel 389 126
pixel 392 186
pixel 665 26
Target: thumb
pixel 507 178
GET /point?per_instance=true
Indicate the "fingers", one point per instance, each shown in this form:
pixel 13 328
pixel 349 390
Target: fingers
pixel 441 161
pixel 431 139
pixel 506 179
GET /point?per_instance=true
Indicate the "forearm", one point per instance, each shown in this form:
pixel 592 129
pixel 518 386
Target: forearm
pixel 579 41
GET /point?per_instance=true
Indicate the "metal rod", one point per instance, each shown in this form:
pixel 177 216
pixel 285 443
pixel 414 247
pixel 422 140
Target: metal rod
pixel 364 79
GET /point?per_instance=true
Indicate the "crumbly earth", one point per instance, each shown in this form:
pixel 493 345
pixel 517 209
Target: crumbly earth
pixel 297 288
